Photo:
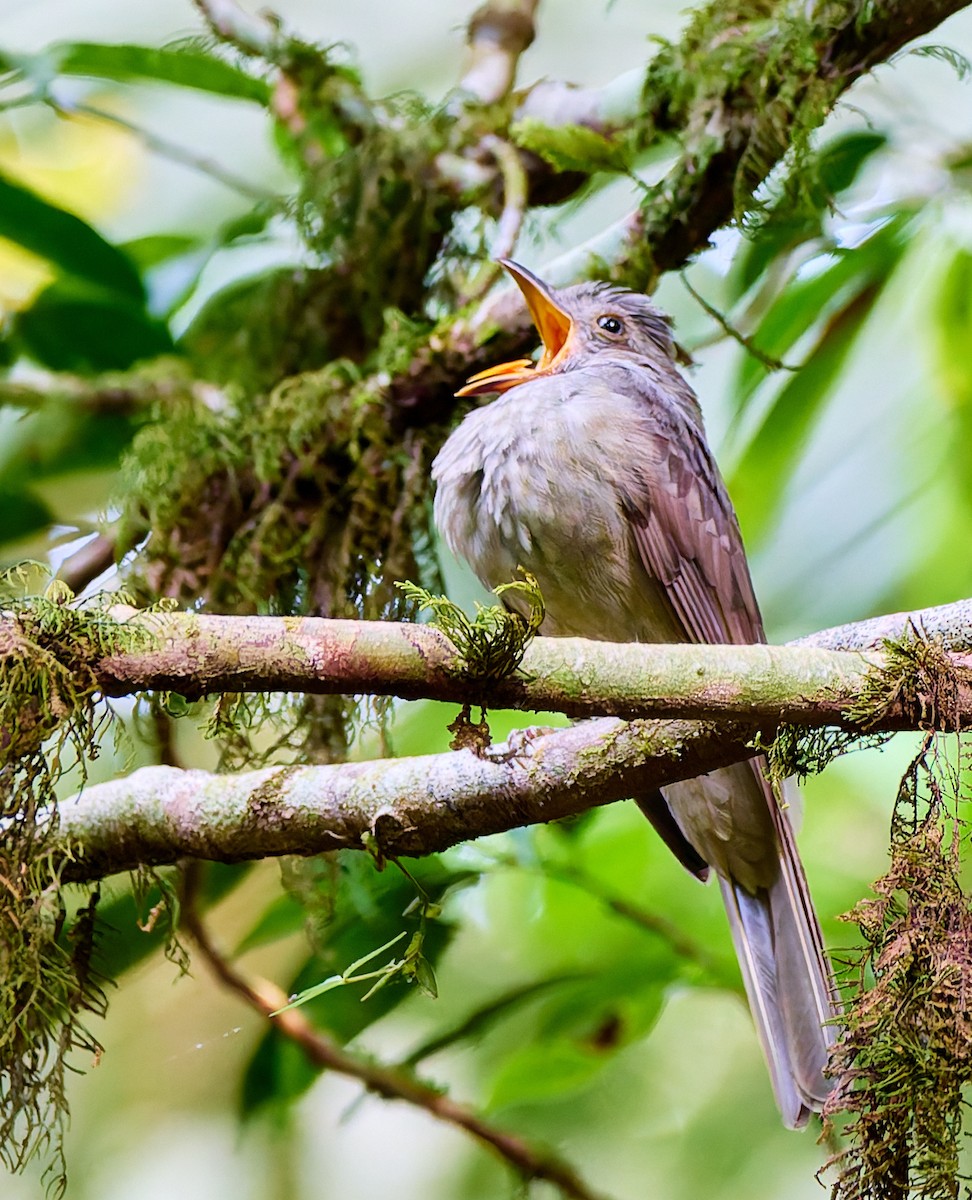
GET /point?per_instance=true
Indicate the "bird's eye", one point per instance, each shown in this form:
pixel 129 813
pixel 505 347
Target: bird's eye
pixel 610 324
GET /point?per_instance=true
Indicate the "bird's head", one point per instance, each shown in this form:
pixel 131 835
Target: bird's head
pixel 579 325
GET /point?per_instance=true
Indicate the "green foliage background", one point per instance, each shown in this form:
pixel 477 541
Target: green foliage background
pixel 587 993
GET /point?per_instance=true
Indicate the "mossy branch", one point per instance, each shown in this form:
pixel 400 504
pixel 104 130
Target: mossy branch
pixel 864 685
pixel 402 807
pixel 420 805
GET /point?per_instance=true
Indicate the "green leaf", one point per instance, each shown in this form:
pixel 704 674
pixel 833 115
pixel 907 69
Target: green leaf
pixel 187 66
pixel 761 476
pixel 952 334
pixel 65 240
pixel 840 161
pixel 365 914
pixel 278 1073
pixel 804 301
pixel 122 943
pixel 60 438
pixel 158 248
pixel 75 327
pixel 544 1071
pixel 570 147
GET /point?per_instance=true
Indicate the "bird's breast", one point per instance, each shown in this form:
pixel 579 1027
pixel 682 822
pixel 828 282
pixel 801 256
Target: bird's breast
pixel 531 481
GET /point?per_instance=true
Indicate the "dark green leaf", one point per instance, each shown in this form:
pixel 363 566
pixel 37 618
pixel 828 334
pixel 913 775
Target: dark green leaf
pixel 278 1073
pixel 122 943
pixel 21 514
pixel 187 66
pixel 840 161
pixel 74 327
pixel 366 908
pixel 158 248
pixel 64 240
pixel 59 438
pixel 486 1016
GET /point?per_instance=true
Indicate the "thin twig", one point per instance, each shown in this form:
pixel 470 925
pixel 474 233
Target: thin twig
pixel 747 343
pixel 175 153
pixel 515 201
pixel 515 196
pixel 86 564
pixel 254 35
pixel 530 1161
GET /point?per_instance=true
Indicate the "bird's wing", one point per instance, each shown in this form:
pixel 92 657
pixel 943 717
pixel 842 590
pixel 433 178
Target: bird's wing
pixel 686 531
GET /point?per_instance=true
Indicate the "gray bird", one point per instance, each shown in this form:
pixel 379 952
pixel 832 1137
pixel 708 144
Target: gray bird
pixel 591 471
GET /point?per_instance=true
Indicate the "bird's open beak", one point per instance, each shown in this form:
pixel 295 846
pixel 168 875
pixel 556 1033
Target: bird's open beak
pixel 553 325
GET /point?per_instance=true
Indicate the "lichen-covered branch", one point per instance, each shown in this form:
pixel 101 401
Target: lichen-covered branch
pixel 808 683
pixel 394 807
pixel 416 806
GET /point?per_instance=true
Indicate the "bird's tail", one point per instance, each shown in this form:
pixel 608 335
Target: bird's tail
pixel 788 980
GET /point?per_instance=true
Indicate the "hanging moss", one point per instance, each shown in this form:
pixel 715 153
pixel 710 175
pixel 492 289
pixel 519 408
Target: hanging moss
pixel 48 986
pixel 904 1061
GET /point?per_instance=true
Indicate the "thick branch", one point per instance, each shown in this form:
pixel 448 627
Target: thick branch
pixel 407 806
pixel 809 683
pixel 417 806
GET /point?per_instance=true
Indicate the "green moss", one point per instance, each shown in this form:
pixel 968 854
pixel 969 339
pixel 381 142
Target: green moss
pixel 491 645
pixel 48 987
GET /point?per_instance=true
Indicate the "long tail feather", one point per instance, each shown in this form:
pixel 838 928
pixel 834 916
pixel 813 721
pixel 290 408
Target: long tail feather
pixel 732 819
pixel 788 981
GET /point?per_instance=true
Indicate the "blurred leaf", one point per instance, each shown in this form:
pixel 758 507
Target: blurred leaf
pixel 158 248
pixel 72 326
pixel 282 918
pixel 122 943
pixel 544 1071
pixel 485 1017
pixel 277 1073
pixel 952 337
pixel 61 439
pixel 804 301
pixel 172 280
pixel 64 240
pixel 570 147
pixel 365 908
pixel 185 66
pixel 839 162
pixel 762 474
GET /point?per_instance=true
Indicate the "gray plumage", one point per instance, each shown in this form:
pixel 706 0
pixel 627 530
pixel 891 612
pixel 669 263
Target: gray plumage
pixel 592 472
